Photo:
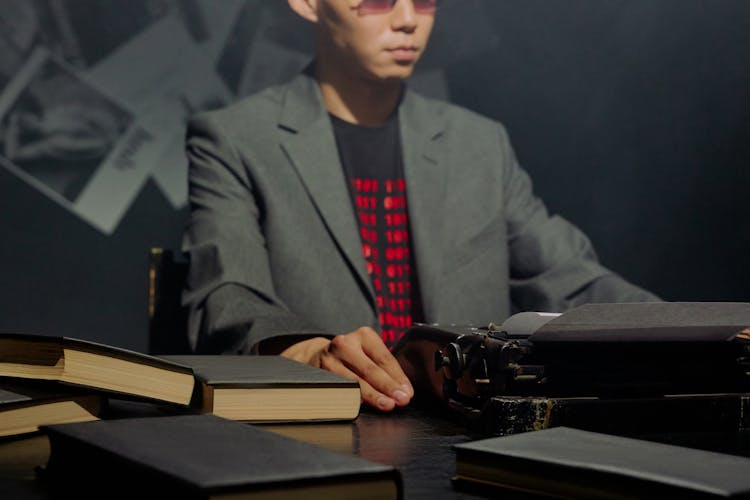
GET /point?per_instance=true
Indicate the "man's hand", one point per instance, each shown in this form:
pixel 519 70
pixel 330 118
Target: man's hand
pixel 360 355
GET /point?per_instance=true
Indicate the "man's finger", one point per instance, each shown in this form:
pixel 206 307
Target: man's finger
pixel 349 349
pixel 376 350
pixel 370 396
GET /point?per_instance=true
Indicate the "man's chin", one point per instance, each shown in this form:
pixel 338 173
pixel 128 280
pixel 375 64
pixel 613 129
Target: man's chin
pixel 395 73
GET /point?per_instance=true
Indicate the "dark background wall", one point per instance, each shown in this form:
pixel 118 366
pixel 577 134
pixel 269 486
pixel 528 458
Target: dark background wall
pixel 632 116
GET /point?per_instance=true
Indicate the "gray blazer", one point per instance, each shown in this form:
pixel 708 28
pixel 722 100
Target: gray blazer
pixel 274 243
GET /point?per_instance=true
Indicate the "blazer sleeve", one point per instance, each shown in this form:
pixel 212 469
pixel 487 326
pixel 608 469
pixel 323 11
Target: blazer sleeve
pixel 229 291
pixel 553 265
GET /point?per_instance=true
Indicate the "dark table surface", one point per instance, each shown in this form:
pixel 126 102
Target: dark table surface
pixel 418 441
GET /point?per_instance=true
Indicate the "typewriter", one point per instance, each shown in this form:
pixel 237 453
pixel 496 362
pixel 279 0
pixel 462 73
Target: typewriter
pixel 610 355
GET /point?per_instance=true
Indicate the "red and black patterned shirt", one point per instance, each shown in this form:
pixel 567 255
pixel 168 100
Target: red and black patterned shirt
pixel 372 161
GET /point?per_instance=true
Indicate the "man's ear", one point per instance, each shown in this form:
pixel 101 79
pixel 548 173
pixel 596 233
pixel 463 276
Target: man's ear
pixel 307 9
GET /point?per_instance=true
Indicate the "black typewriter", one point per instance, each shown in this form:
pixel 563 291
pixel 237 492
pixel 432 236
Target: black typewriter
pixel 614 353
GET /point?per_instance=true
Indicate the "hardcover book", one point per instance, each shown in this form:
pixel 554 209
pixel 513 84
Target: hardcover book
pixel 96 366
pixel 205 456
pixel 572 463
pixel 270 388
pixel 24 407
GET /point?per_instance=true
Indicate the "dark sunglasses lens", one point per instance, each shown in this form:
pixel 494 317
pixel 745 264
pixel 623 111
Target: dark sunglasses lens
pixel 383 6
pixel 375 6
pixel 425 6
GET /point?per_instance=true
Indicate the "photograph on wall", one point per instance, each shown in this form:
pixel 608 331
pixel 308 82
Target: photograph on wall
pixel 267 45
pixel 70 140
pixel 83 32
pixel 165 76
pixel 195 88
pixel 19 35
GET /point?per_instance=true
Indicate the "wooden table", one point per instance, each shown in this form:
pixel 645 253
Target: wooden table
pixel 418 441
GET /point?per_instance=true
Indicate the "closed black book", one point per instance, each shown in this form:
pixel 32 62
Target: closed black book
pixel 270 389
pixel 25 405
pixel 571 463
pixel 94 365
pixel 204 456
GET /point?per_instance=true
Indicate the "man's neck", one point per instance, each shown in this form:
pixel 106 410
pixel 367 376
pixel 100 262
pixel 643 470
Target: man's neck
pixel 358 100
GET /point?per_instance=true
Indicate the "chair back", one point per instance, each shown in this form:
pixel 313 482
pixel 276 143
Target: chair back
pixel 167 326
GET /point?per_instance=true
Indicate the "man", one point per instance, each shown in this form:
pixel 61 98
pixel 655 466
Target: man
pixel 342 206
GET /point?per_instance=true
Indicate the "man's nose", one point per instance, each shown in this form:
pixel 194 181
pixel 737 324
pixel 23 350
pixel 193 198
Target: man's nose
pixel 404 16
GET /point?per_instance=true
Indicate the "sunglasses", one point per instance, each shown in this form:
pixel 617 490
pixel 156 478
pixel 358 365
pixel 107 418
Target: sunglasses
pixel 367 7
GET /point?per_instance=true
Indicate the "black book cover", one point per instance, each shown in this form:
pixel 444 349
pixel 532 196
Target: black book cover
pixel 197 456
pixel 269 389
pixel 569 462
pixel 20 399
pixel 94 365
pixel 258 371
pixel 56 345
pixel 19 392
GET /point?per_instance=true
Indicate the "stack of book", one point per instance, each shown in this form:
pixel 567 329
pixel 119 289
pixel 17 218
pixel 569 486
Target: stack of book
pixel 61 387
pixel 50 380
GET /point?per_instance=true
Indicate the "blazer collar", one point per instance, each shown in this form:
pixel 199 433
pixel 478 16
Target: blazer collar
pixel 311 147
pixel 426 174
pixel 302 104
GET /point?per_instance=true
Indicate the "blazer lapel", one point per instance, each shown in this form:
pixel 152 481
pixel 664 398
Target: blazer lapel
pixel 421 130
pixel 311 148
